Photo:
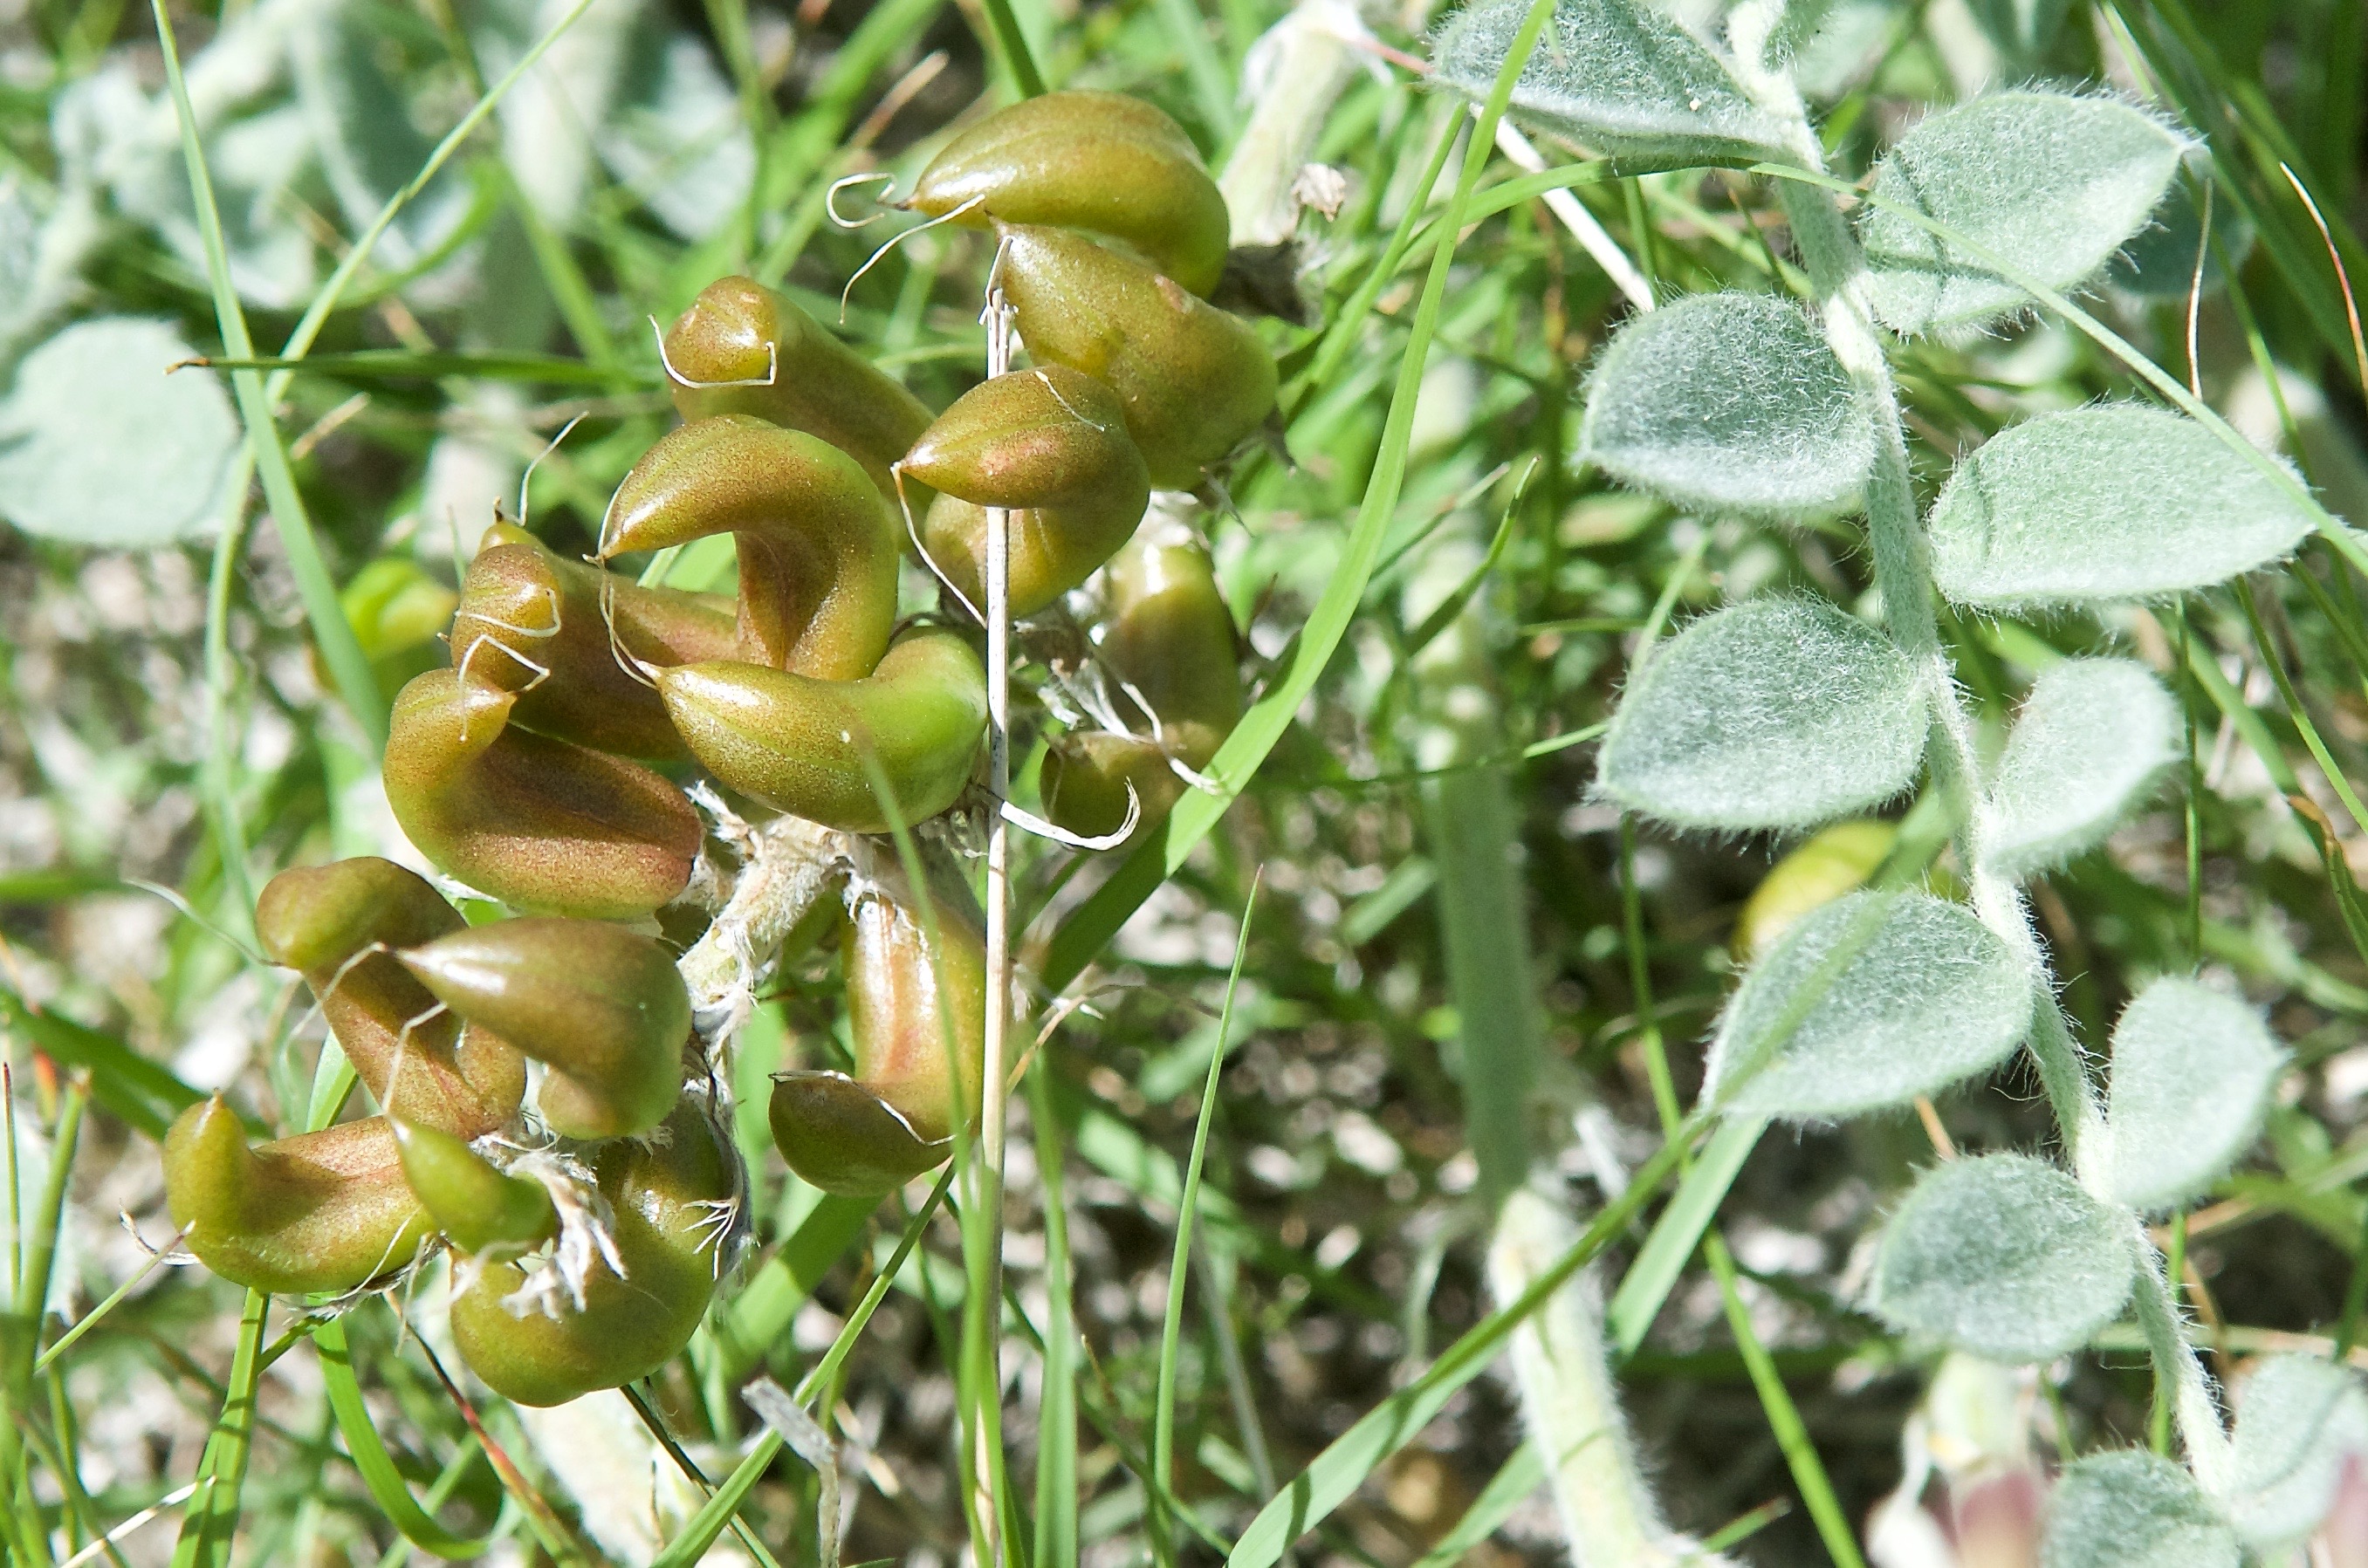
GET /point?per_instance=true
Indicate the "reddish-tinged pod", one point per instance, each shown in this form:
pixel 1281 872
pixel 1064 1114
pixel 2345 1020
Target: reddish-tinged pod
pixel 1195 381
pixel 801 744
pixel 817 545
pixel 1050 445
pixel 334 924
pixel 533 820
pixel 916 1015
pixel 742 349
pixel 320 1211
pixel 1103 162
pixel 600 1006
pixel 534 624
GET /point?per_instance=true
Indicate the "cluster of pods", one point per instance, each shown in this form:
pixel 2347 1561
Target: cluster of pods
pixel 544 769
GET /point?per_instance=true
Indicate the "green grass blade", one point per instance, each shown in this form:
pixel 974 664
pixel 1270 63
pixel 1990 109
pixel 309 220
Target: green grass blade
pixel 386 1484
pixel 1179 1267
pixel 370 365
pixel 1011 44
pixel 761 1312
pixel 1511 1486
pixel 211 1518
pixel 1678 1230
pixel 1783 1418
pixel 1056 1414
pixel 349 669
pixel 136 1091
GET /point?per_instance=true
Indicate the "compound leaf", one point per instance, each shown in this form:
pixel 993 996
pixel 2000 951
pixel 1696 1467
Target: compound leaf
pixel 2111 502
pixel 2004 1257
pixel 98 446
pixel 2132 1509
pixel 2298 1420
pixel 1730 404
pixel 2051 183
pixel 1869 1002
pixel 1618 75
pixel 2193 1071
pixel 2093 738
pixel 1779 712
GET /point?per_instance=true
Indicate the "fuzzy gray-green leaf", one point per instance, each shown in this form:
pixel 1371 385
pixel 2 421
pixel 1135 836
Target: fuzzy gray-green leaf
pixel 1780 712
pixel 2297 1420
pixel 1870 1001
pixel 2050 183
pixel 1616 75
pixel 1730 404
pixel 2105 503
pixel 2193 1071
pixel 2002 1257
pixel 2093 738
pixel 2132 1509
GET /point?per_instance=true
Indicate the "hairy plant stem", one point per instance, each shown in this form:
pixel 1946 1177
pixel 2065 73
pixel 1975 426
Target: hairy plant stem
pixel 1903 576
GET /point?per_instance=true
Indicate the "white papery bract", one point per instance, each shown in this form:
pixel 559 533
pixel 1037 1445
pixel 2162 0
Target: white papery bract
pixel 2193 1071
pixel 2112 502
pixel 2298 1419
pixel 2132 1509
pixel 1870 1001
pixel 2049 184
pixel 2093 738
pixel 1618 75
pixel 1779 712
pixel 1730 404
pixel 2004 1257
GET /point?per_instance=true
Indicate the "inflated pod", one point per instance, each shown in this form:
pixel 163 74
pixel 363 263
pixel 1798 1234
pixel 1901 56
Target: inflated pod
pixel 1832 862
pixel 800 744
pixel 324 1211
pixel 486 1212
pixel 533 821
pixel 332 924
pixel 917 1017
pixel 818 546
pixel 533 624
pixel 1050 445
pixel 738 331
pixel 667 1196
pixel 1103 162
pixel 1170 641
pixel 600 1006
pixel 1194 381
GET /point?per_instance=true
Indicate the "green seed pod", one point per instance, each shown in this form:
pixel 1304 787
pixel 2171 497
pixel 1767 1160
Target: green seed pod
pixel 532 624
pixel 324 1211
pixel 799 743
pixel 1102 161
pixel 739 331
pixel 666 1196
pixel 1169 641
pixel 916 1015
pixel 598 1006
pixel 1085 781
pixel 1194 381
pixel 323 921
pixel 1049 443
pixel 486 1212
pixel 533 820
pixel 818 546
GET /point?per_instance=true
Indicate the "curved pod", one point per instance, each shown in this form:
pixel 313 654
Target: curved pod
pixel 916 1015
pixel 800 744
pixel 534 822
pixel 817 545
pixel 1049 443
pixel 1103 162
pixel 533 624
pixel 666 1198
pixel 1194 381
pixel 320 1211
pixel 325 921
pixel 484 1211
pixel 739 332
pixel 602 1008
